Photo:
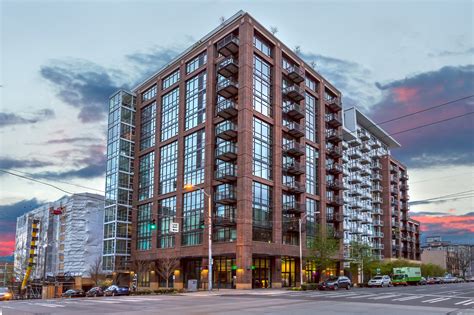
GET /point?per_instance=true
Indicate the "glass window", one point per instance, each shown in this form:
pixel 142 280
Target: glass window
pixel 171 79
pixel 262 149
pixel 311 84
pixel 311 220
pixel 262 212
pixel 144 219
pixel 195 101
pixel 146 175
pixel 168 167
pixel 262 46
pixel 193 218
pixel 166 215
pixel 194 157
pixel 148 126
pixel 311 170
pixel 169 114
pixel 311 113
pixel 196 62
pixel 262 86
pixel 149 94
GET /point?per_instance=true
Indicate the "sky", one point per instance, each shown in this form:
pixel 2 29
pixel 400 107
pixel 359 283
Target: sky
pixel 61 60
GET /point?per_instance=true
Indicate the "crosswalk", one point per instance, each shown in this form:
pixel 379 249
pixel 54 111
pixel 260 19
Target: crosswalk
pixel 104 301
pixel 389 297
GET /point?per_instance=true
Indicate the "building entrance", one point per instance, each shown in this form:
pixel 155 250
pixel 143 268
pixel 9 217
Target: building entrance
pixel 261 273
pixel 288 272
pixel 224 273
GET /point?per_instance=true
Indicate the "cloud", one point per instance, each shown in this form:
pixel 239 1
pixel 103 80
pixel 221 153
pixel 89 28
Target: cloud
pixel 353 79
pixel 448 53
pixel 449 142
pixel 11 119
pixel 72 140
pixel 91 165
pixel 83 85
pixel 8 215
pixel 455 228
pixel 8 163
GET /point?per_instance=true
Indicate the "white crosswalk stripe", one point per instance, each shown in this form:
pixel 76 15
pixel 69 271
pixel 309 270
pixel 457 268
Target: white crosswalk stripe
pixel 407 298
pixel 384 297
pixel 361 296
pixel 49 305
pixel 435 300
pixel 462 302
pixel 469 303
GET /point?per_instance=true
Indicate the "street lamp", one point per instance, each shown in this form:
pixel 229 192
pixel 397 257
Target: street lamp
pixel 189 187
pixel 300 222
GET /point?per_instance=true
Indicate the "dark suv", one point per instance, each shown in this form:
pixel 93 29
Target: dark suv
pixel 334 283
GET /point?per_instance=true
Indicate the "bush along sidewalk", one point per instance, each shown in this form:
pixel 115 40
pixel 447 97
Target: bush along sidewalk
pixel 157 292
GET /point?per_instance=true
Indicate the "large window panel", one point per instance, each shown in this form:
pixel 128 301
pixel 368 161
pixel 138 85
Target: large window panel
pixel 146 176
pixel 148 126
pixel 194 157
pixel 166 216
pixel 262 149
pixel 311 117
pixel 262 212
pixel 168 167
pixel 193 218
pixel 195 101
pixel 311 170
pixel 262 100
pixel 169 114
pixel 171 79
pixel 144 218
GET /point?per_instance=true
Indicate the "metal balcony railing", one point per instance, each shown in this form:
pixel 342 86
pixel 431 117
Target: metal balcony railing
pixel 226 109
pixel 228 45
pixel 226 130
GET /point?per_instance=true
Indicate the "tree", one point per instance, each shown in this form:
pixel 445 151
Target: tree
pixel 361 254
pixel 273 30
pixel 140 266
pixel 221 20
pixel 432 270
pixel 166 266
pixel 465 258
pixel 313 64
pixel 298 50
pixel 323 249
pixel 95 269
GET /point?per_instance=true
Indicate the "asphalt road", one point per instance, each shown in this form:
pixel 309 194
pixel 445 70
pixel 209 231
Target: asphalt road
pixel 431 299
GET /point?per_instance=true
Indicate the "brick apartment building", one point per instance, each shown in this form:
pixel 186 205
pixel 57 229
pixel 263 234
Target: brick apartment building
pixel 240 117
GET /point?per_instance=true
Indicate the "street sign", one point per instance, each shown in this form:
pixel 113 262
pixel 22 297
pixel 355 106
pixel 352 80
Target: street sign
pixel 174 227
pixel 378 270
pixel 347 264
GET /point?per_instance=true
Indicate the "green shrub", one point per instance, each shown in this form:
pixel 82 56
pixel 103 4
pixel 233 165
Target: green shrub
pixel 166 291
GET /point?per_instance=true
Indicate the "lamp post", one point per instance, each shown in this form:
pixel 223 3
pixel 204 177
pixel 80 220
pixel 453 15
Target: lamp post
pixel 209 227
pixel 300 222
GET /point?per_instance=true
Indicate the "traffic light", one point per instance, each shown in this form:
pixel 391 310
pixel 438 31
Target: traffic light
pixel 153 224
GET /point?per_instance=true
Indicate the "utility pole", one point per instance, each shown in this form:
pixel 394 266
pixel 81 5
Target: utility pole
pixel 300 223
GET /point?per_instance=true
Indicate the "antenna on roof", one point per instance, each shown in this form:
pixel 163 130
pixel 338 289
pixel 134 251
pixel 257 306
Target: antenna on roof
pixel 273 30
pixel 222 20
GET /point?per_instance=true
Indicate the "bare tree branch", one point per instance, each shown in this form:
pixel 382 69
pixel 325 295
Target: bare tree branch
pixel 166 266
pixel 95 270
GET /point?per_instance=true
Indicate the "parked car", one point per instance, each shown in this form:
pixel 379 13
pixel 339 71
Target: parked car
pixel 431 280
pixel 114 290
pixel 423 281
pixel 380 281
pixel 470 279
pixel 334 283
pixel 95 291
pixel 437 280
pixel 448 279
pixel 73 293
pixel 5 294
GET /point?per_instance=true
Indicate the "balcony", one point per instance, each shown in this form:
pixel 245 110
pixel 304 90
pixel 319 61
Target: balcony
pixel 356 205
pixel 365 171
pixel 365 159
pixel 333 136
pixel 376 177
pixel 376 165
pixel 404 187
pixel 378 235
pixel 376 200
pixel 377 210
pixel 334 104
pixel 227 88
pixel 226 130
pixel 228 67
pixel 404 176
pixel 224 221
pixel 395 224
pixel 226 109
pixel 295 74
pixel 375 144
pixel 334 168
pixel 334 151
pixel 293 148
pixel 335 185
pixel 225 194
pixel 333 120
pixel 295 130
pixel 394 191
pixel 294 110
pixel 377 188
pixel 335 200
pixel 355 166
pixel 293 168
pixel 355 143
pixel 294 92
pixel 365 184
pixel 294 187
pixel 355 179
pixel 355 193
pixel 294 207
pixel 378 246
pixel 226 151
pixel 405 196
pixel 334 217
pixel 364 148
pixel 393 169
pixel 226 172
pixel 229 45
pixel 355 153
pixel 393 179
pixel 363 135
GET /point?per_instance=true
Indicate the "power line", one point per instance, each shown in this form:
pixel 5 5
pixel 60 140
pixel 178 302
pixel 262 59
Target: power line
pixel 433 123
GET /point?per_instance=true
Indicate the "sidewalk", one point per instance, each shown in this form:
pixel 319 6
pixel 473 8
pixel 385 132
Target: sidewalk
pixel 219 292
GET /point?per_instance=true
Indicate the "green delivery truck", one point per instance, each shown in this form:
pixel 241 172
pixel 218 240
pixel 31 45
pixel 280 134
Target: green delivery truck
pixel 406 275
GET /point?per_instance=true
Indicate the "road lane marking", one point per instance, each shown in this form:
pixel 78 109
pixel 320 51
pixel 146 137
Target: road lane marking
pixel 469 303
pixel 384 297
pixel 49 305
pixel 435 300
pixel 407 298
pixel 361 296
pixel 462 302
